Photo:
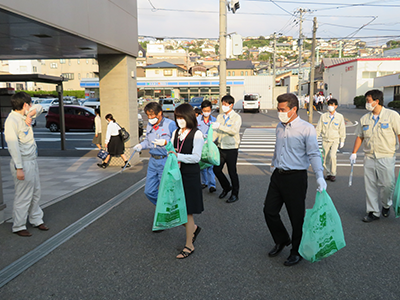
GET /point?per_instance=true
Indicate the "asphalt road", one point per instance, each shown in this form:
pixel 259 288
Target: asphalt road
pixel 119 257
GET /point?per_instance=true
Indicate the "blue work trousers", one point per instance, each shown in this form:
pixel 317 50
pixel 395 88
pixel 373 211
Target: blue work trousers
pixel 208 177
pixel 154 173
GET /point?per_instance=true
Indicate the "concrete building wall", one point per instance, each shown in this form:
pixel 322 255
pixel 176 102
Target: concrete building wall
pixel 387 84
pixel 261 85
pixel 160 73
pixel 109 23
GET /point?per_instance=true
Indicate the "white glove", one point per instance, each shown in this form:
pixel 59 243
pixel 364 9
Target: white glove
pixel 341 145
pixel 272 169
pixel 159 142
pixel 215 125
pixel 353 158
pixel 137 148
pixel 321 184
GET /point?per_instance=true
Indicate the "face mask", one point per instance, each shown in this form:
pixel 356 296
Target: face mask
pixel 283 117
pixel 369 106
pixel 225 108
pixel 206 114
pixel 153 121
pixel 331 108
pixel 181 123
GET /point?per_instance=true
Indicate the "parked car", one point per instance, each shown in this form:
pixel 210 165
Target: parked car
pixel 76 117
pixel 168 104
pixel 92 102
pixel 251 102
pixel 196 102
pixel 47 103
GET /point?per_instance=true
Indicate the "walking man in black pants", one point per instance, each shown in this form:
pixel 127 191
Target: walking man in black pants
pixel 296 147
pixel 226 134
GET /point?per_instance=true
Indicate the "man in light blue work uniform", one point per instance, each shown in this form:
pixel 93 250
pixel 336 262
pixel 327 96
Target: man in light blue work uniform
pixel 203 124
pixel 158 133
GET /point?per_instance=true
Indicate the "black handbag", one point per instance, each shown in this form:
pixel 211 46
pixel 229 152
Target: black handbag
pixel 125 136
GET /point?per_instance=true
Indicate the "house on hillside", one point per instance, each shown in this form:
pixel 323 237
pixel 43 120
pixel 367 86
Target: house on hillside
pixel 239 68
pixel 164 69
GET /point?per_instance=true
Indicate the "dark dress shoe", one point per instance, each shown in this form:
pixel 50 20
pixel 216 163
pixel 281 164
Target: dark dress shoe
pixel 203 186
pixel 370 217
pixel 333 178
pixel 223 194
pixel 292 260
pixel 328 177
pixel 23 233
pixel 278 248
pixel 232 199
pixel 212 189
pixel 385 212
pixel 42 227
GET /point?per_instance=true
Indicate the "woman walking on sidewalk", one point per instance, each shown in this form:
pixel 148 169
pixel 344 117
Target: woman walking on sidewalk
pixel 114 143
pixel 97 131
pixel 188 142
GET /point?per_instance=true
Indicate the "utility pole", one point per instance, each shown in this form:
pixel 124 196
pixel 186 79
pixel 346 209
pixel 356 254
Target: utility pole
pixel 311 95
pixel 274 76
pixel 300 44
pixel 222 49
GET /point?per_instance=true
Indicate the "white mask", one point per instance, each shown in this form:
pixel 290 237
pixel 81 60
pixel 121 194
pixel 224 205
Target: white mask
pixel 153 121
pixel 369 106
pixel 283 117
pixel 206 114
pixel 181 123
pixel 226 108
pixel 331 108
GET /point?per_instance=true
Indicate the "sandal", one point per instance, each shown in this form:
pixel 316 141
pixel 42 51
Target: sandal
pixel 196 233
pixel 185 253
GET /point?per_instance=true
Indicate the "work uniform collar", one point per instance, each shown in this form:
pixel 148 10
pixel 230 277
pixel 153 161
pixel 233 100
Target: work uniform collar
pixel 292 123
pixel 155 127
pixel 228 114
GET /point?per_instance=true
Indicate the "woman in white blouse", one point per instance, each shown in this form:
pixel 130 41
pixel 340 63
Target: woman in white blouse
pixel 188 142
pixel 114 143
pixel 97 129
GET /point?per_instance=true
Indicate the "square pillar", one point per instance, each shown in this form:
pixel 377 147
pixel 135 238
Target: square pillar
pixel 118 96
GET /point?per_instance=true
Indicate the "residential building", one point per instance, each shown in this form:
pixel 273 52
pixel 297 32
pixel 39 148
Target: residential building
pixel 163 69
pixel 239 68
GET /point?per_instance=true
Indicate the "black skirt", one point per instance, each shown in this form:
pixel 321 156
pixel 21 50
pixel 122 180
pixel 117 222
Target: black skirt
pixel 192 187
pixel 115 146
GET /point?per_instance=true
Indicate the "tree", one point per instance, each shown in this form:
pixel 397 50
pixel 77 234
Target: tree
pixel 144 44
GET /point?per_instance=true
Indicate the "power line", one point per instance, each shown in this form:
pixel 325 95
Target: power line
pixel 368 4
pixel 281 8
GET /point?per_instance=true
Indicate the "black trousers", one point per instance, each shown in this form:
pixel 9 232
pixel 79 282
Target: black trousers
pixel 228 156
pixel 289 189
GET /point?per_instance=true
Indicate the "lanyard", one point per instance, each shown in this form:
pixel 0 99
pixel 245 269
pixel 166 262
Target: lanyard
pixel 226 120
pixel 183 141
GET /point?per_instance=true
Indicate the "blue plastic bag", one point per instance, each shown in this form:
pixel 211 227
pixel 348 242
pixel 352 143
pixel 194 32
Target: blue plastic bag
pixel 210 152
pixel 396 197
pixel 322 230
pixel 171 204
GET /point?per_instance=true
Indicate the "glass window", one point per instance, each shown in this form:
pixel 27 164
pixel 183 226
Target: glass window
pixel 53 65
pixel 168 72
pixel 247 73
pixel 241 73
pixel 79 76
pixel 229 73
pixel 78 61
pixel 62 61
pixel 34 69
pixel 87 61
pixel 233 73
pixel 204 90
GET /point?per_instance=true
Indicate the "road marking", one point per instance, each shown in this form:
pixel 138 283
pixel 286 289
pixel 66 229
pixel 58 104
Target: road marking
pixel 77 148
pixel 32 257
pixel 58 139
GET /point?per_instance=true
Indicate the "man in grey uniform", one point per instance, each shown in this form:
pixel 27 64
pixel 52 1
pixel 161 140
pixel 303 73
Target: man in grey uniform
pixel 379 130
pixel 24 169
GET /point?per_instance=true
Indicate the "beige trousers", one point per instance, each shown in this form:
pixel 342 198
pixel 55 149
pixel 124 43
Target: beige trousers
pixel 329 156
pixel 27 196
pixel 379 181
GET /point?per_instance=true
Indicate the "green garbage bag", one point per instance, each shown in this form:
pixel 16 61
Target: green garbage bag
pixel 210 153
pixel 396 197
pixel 171 204
pixel 322 230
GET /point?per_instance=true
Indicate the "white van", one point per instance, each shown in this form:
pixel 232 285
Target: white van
pixel 251 102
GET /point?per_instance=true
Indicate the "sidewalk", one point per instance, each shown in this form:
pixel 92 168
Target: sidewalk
pixel 60 177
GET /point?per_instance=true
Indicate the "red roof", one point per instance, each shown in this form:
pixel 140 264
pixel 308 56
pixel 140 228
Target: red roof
pixel 364 59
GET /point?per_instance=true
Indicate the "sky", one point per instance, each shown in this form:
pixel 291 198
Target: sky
pixel 375 22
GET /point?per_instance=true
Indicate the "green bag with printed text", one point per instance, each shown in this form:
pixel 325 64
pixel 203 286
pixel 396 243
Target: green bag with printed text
pixel 210 153
pixel 171 204
pixel 396 197
pixel 322 230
